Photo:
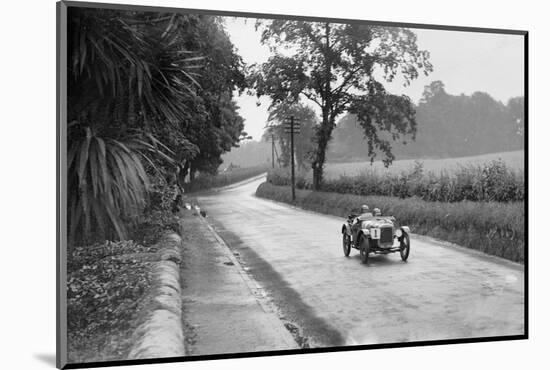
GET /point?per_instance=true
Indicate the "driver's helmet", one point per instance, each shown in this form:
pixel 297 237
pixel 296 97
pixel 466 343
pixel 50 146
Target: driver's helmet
pixel 364 208
pixel 377 212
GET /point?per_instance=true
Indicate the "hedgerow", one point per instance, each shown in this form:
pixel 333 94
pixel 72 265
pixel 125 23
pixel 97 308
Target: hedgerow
pixel 492 227
pixel 493 181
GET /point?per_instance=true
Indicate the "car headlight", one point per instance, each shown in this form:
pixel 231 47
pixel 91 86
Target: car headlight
pixel 399 233
pixel 364 225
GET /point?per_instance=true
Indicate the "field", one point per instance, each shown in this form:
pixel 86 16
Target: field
pixel 513 160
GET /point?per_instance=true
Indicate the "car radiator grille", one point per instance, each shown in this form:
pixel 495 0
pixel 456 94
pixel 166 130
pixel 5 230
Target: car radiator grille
pixel 386 235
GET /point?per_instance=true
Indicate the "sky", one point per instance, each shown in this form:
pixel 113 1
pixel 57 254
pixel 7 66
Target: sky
pixel 466 62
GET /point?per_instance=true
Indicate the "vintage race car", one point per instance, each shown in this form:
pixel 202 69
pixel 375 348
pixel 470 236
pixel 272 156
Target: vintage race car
pixel 375 234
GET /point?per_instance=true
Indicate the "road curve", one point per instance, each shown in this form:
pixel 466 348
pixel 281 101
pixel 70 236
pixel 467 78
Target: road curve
pixel 442 292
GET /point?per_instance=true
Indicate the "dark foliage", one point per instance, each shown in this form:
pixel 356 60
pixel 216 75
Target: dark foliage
pixel 148 93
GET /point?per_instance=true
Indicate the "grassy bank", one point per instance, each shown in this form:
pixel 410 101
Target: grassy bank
pixel 490 227
pixel 207 181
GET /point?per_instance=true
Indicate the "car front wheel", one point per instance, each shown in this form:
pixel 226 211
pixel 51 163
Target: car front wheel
pixel 346 244
pixel 405 247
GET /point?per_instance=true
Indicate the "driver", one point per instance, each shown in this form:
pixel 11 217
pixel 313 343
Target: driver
pixel 365 214
pixel 377 212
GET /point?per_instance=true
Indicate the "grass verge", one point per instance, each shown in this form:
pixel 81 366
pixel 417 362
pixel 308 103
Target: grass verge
pixel 490 227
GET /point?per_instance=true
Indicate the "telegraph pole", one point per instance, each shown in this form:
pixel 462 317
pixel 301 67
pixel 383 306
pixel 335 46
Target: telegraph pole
pixel 272 149
pixel 292 127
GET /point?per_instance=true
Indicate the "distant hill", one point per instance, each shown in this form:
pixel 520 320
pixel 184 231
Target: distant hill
pixel 248 154
pixel 447 126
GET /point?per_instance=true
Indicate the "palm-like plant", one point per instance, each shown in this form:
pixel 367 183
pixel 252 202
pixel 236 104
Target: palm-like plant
pixel 130 64
pixel 108 183
pixel 127 73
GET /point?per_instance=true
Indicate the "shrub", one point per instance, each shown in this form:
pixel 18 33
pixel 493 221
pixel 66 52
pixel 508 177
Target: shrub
pixel 162 196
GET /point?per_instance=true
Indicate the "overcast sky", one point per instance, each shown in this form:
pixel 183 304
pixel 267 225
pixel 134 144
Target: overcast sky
pixel 466 62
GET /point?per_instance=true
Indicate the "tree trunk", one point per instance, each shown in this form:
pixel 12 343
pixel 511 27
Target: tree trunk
pixel 319 163
pixel 317 177
pixel 325 131
pixel 323 137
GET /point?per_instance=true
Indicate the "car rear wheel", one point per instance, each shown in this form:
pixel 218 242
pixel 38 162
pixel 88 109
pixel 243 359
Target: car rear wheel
pixel 346 244
pixel 364 250
pixel 405 247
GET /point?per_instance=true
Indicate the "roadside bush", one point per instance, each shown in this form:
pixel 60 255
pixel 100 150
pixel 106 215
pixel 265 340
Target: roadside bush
pixel 162 196
pixel 492 227
pixel 493 181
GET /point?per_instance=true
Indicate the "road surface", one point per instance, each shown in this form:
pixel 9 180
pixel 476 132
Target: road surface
pixel 442 292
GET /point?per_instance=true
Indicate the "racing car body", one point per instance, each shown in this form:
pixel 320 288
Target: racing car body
pixel 376 235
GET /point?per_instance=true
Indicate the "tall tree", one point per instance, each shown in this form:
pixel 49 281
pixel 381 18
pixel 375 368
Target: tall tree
pixel 146 92
pixel 336 66
pixel 221 131
pixel 129 73
pixel 462 125
pixel 216 125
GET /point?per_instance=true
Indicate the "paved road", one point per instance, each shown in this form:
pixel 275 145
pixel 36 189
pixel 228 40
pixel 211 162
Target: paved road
pixel 442 292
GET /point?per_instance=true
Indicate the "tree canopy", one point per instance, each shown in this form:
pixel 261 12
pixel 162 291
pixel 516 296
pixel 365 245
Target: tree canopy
pixel 338 68
pixel 149 95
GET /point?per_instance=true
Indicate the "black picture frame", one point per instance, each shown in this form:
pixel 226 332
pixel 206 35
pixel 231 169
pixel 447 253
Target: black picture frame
pixel 61 176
